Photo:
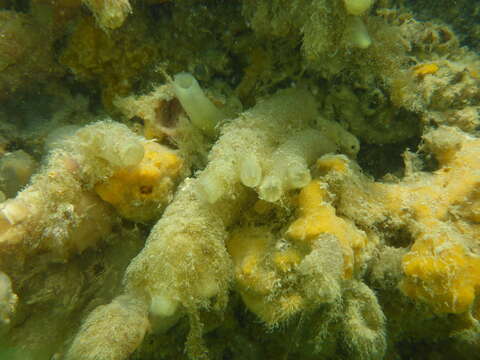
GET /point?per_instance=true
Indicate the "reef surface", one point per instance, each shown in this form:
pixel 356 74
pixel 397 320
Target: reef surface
pixel 254 179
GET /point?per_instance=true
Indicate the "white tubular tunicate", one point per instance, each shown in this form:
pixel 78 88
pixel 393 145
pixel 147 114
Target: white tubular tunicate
pixel 346 142
pixel 112 142
pixel 250 170
pixel 357 7
pixel 14 211
pixel 201 111
pixel 358 34
pixel 244 150
pixel 130 153
pixel 291 161
pixel 271 189
pixel 163 306
pixel 222 174
pixel 212 186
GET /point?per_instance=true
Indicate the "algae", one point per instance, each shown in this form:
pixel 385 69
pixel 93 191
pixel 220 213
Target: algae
pixel 332 211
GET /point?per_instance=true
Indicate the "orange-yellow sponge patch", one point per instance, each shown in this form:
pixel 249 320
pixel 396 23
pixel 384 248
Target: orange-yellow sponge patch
pixel 425 69
pixel 447 278
pixel 259 283
pixel 317 217
pixel 141 192
pixel 248 247
pixel 286 260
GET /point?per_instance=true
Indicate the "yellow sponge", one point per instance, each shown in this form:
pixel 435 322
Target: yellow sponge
pixel 446 277
pixel 318 217
pixel 140 192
